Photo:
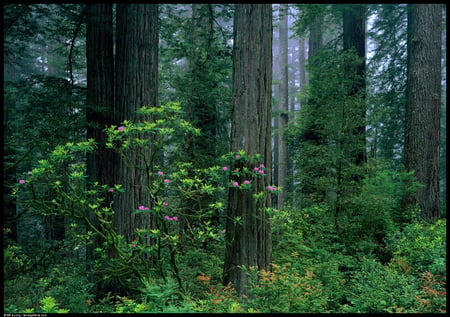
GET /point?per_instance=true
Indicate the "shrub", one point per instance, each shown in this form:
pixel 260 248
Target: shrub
pixel 422 246
pixel 285 290
pixel 378 289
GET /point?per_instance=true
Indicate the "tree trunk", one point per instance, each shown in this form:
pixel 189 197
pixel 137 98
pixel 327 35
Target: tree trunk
pixel 249 242
pixel 354 20
pixel 136 86
pixel 284 105
pixel 100 88
pixel 100 106
pixel 424 102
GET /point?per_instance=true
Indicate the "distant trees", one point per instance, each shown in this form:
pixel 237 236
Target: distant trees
pixel 248 242
pixel 422 144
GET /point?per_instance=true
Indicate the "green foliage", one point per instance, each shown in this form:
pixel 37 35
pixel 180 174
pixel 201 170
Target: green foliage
pixel 284 289
pixel 378 289
pixel 421 246
pixel 373 209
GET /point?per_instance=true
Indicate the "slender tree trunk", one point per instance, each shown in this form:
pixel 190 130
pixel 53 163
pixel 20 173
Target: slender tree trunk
pixel 302 62
pixel 249 241
pixel 136 86
pixel 424 103
pixel 284 105
pixel 315 37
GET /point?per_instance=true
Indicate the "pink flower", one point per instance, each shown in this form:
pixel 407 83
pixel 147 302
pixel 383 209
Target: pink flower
pixel 166 181
pixel 165 204
pixel 143 208
pixel 223 231
pixel 237 156
pixel 246 182
pixel 160 173
pixel 271 188
pixel 261 165
pixel 175 218
pixel 235 184
pixel 225 168
pixel 133 245
pixel 30 172
pixel 167 217
pixel 121 128
pixel 261 172
pixel 111 189
pixel 256 169
pixel 22 181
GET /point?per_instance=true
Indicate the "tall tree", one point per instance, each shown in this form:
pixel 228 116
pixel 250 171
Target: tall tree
pixel 283 104
pixel 136 86
pixel 424 103
pixel 354 27
pixel 100 101
pixel 248 243
pixel 100 87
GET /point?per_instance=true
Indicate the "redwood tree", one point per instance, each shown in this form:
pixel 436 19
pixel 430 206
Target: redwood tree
pixel 248 241
pixel 424 103
pixel 136 86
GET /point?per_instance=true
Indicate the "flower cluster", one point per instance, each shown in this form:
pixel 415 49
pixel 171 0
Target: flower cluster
pixel 174 218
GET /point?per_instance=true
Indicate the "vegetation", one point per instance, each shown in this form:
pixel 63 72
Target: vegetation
pixel 172 205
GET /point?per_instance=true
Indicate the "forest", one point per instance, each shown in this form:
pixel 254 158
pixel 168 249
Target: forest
pixel 224 158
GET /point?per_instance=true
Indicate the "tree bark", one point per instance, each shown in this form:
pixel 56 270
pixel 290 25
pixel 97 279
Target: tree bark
pixel 422 144
pixel 249 242
pixel 136 86
pixel 100 88
pixel 284 105
pixel 100 106
pixel 354 25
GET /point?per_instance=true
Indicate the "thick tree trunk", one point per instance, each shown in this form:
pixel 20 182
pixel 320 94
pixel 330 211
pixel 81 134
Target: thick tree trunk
pixel 136 86
pixel 424 103
pixel 249 242
pixel 100 105
pixel 100 89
